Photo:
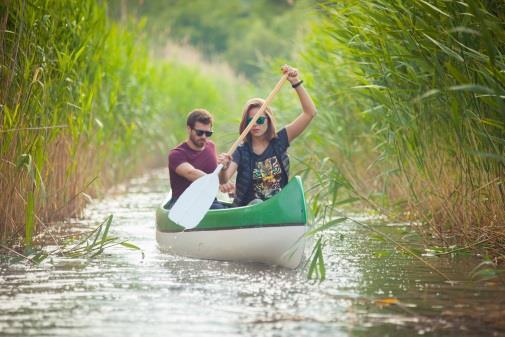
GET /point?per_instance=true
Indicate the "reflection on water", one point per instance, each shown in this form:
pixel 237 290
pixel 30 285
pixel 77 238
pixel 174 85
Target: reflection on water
pixel 124 294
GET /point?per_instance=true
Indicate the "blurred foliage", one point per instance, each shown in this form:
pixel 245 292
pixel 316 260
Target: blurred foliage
pixel 244 33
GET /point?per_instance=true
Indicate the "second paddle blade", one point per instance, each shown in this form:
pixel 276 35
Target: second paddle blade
pixel 196 200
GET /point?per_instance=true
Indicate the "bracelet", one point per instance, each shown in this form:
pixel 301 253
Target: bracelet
pixel 297 84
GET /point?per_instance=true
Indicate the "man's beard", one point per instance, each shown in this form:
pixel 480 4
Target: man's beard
pixel 199 143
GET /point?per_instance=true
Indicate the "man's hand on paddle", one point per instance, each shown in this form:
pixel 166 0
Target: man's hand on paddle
pixel 228 187
pixel 225 159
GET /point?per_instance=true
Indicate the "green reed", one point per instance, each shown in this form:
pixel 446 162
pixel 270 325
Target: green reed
pixel 411 96
pixel 84 104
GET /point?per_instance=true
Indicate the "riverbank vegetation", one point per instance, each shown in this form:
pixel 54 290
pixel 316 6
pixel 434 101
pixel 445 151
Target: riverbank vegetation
pixel 412 113
pixel 83 104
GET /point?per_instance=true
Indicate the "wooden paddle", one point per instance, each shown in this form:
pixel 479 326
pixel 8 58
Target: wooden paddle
pixel 196 200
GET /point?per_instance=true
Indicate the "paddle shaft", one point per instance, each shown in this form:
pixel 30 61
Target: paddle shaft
pixel 268 100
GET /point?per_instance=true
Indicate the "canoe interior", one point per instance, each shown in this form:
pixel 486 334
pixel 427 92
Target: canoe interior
pixel 285 208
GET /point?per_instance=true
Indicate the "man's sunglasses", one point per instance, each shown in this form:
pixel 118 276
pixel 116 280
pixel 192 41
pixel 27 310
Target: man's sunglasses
pixel 260 121
pixel 200 133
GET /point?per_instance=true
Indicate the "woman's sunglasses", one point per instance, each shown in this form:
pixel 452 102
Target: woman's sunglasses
pixel 260 121
pixel 200 133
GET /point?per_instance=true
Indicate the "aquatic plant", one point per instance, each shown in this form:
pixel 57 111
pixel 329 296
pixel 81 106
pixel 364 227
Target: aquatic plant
pixel 88 245
pixel 83 104
pixel 412 111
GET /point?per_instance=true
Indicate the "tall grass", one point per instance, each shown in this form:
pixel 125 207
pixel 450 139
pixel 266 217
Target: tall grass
pixel 412 111
pixel 83 104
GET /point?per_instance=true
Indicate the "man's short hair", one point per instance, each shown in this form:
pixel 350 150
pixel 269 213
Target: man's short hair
pixel 199 115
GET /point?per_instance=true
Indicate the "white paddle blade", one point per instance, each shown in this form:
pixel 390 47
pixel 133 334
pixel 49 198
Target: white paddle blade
pixel 196 200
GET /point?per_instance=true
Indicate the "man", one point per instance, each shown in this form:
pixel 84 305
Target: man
pixel 195 157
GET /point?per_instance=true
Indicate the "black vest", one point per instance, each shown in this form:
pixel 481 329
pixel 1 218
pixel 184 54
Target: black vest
pixel 244 174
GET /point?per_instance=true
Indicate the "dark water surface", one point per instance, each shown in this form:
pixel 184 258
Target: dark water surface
pixel 124 294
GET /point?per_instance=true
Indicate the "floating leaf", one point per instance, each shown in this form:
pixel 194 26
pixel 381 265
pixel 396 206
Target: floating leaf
pixel 130 245
pixel 387 301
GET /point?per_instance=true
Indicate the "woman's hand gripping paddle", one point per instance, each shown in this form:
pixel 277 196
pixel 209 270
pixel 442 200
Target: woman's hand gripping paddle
pixel 196 200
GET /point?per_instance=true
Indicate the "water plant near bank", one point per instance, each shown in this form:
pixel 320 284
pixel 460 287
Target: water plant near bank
pixel 82 105
pixel 412 112
pixel 87 245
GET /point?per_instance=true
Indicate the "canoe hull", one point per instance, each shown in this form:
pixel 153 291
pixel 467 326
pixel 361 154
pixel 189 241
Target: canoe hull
pixel 276 245
pixel 270 232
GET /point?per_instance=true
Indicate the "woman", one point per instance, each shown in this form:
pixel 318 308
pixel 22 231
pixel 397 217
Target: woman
pixel 261 161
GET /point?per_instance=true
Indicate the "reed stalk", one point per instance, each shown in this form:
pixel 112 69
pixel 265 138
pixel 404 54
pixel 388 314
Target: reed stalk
pixel 412 109
pixel 82 99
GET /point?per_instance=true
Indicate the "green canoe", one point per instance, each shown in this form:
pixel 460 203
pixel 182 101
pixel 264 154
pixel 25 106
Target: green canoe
pixel 269 232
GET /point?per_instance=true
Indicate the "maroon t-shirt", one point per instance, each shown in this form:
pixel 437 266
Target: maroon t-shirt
pixel 205 160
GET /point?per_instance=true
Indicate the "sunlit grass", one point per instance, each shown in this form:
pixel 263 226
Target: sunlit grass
pixel 84 104
pixel 411 98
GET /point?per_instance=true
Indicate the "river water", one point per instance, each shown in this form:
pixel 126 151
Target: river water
pixel 126 293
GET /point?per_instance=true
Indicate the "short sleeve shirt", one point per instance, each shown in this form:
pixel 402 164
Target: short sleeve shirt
pixel 267 176
pixel 205 160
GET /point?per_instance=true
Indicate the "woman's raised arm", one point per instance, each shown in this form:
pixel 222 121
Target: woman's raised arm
pixel 296 127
